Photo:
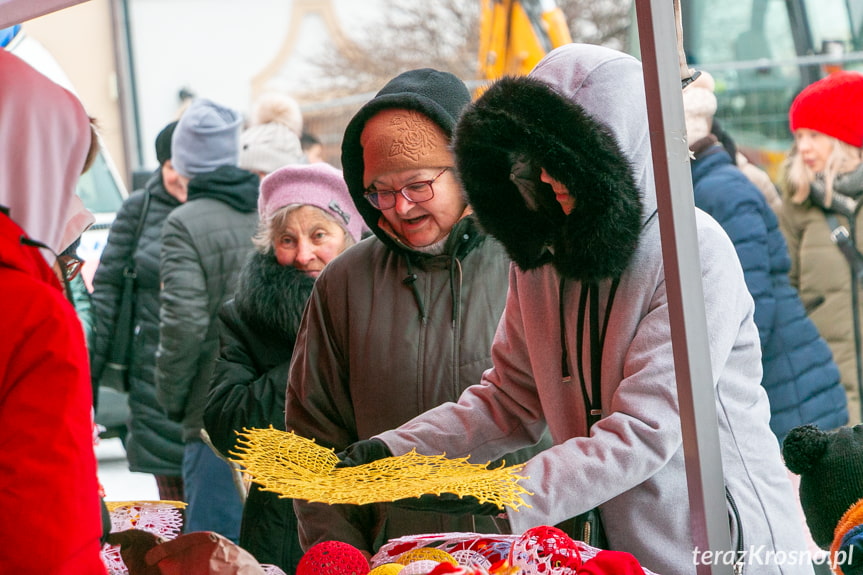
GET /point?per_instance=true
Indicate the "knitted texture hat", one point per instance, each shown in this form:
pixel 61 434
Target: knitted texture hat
pixel 439 96
pixel 832 106
pixel 830 465
pixel 699 107
pixel 279 108
pixel 267 147
pixel 319 185
pixel 395 140
pixel 163 143
pixel 207 137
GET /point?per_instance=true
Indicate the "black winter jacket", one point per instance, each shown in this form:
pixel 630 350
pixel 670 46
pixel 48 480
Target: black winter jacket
pixel 154 443
pixel 258 331
pixel 204 245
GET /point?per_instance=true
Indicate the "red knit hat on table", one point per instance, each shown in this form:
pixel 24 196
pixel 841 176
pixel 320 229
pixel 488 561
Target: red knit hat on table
pixel 832 106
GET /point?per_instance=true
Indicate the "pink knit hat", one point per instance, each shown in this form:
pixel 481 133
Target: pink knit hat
pixel 832 106
pixel 320 185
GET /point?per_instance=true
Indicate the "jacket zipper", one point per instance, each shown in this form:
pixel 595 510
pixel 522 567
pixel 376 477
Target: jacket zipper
pixel 735 515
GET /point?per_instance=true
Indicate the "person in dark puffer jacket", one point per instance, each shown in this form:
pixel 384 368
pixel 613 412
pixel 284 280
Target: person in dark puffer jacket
pixel 801 379
pixel 154 443
pixel 204 245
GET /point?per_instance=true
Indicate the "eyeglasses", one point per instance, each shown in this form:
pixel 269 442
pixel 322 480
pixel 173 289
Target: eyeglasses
pixel 416 192
pixel 71 266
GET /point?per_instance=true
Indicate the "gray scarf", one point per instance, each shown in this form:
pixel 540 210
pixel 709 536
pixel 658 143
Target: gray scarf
pixel 847 192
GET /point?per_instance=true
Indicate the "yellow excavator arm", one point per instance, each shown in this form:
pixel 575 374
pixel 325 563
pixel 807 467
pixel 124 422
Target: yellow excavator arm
pixel 516 34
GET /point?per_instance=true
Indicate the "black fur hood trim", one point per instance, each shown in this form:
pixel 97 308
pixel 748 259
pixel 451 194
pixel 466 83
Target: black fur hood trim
pixel 270 298
pixel 521 125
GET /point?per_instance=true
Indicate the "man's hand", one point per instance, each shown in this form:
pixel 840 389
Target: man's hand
pixel 362 452
pixel 449 503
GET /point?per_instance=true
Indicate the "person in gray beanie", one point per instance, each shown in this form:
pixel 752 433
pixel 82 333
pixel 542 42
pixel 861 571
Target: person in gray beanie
pixel 402 321
pixel 206 138
pixel 204 244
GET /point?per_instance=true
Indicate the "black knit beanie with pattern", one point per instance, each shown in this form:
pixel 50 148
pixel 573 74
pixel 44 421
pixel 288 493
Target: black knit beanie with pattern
pixel 830 466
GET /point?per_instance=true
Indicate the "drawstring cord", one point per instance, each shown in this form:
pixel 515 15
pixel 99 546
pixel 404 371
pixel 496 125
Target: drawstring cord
pixel 411 281
pixel 454 294
pixel 454 268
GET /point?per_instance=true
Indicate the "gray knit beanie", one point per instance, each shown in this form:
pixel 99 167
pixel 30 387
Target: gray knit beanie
pixel 207 137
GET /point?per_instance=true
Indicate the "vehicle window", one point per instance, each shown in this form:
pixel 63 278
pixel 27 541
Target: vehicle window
pixel 712 25
pixel 856 9
pixel 829 23
pixel 748 47
pixel 777 30
pixel 98 188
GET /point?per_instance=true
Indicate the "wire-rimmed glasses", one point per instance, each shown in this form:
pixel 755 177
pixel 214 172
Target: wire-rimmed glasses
pixel 416 192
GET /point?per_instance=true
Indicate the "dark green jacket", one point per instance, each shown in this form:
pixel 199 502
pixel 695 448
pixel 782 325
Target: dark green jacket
pixel 204 244
pixel 154 444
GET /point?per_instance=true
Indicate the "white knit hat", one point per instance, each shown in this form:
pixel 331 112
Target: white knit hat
pixel 267 147
pixel 699 107
pixel 279 108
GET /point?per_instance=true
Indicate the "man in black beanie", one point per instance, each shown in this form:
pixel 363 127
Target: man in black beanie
pixel 170 178
pixel 403 321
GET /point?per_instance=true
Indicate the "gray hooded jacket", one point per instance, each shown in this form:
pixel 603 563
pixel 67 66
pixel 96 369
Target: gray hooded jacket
pixel 632 462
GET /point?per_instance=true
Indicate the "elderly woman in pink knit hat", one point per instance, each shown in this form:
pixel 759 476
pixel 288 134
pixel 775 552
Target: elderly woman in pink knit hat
pixel 821 217
pixel 307 219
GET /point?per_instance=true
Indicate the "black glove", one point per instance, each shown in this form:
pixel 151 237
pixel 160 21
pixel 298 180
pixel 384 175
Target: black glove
pixel 362 452
pixel 449 503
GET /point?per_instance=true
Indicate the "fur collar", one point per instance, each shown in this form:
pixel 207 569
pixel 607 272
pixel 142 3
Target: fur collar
pixel 270 298
pixel 521 125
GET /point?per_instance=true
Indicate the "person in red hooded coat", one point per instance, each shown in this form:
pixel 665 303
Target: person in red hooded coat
pixel 49 499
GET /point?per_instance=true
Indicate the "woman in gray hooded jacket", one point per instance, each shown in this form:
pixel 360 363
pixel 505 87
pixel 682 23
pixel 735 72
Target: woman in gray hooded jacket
pixel 557 167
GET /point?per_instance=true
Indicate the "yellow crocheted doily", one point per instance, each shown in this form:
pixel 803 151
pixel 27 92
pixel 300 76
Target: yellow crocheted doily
pixel 298 468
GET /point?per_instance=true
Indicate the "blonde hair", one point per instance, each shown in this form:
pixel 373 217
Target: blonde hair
pixel 799 177
pixel 270 228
